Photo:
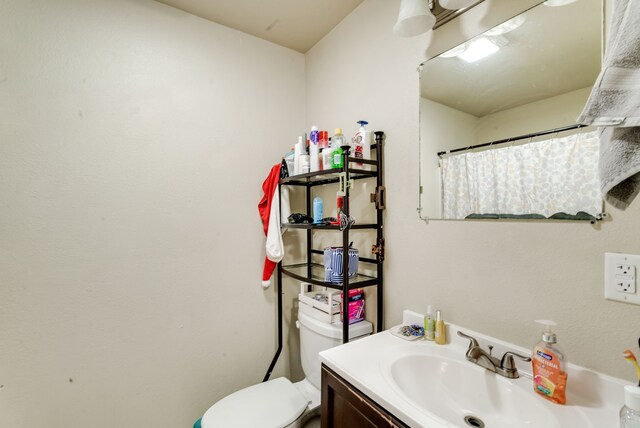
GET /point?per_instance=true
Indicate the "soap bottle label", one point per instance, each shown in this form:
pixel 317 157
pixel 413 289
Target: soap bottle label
pixel 548 378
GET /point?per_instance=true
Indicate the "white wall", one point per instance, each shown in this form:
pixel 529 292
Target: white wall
pixel 549 113
pixel 441 128
pixel 495 277
pixel 134 139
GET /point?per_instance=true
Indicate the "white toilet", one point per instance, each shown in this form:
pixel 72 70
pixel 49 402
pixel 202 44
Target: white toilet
pixel 278 403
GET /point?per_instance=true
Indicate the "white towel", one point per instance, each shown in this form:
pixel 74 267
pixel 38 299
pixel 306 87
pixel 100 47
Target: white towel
pixel 615 97
pixel 619 165
pixel 614 103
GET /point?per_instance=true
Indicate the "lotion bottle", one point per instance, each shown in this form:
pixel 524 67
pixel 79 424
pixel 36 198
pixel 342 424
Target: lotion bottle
pixel 429 325
pixel 441 335
pixel 549 366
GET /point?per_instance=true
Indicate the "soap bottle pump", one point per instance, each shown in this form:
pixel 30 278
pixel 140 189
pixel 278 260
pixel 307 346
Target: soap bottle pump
pixel 549 366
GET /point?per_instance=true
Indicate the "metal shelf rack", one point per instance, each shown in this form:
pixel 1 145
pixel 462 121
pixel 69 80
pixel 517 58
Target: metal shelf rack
pixel 313 273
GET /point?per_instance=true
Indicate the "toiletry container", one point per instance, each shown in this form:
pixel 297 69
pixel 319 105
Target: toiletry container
pixel 429 324
pixel 337 142
pixel 630 412
pixel 440 334
pixel 317 210
pixel 323 139
pixel 298 151
pixel 549 366
pixel 304 164
pixel 327 158
pixel 362 145
pixel 314 150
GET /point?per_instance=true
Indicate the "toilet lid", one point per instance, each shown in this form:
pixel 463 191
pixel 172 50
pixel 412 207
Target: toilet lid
pixel 272 404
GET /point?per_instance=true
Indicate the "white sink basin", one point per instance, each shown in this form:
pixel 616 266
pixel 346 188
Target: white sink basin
pixel 455 390
pixel 434 386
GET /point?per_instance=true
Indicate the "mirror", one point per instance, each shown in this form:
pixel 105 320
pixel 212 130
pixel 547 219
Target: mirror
pixel 498 132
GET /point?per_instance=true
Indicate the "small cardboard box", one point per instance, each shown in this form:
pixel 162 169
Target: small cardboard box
pixel 355 302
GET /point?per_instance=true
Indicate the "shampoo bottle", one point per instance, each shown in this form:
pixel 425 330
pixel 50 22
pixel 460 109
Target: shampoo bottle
pixel 549 371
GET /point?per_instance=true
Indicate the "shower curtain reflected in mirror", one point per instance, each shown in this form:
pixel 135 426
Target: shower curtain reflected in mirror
pixel 553 178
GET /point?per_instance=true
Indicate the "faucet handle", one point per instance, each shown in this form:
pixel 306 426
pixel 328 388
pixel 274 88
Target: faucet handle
pixel 472 340
pixel 507 362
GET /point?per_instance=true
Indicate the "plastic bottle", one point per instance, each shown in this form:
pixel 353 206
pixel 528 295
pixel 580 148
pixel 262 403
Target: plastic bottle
pixel 314 150
pixel 630 412
pixel 337 142
pixel 317 210
pixel 327 158
pixel 298 151
pixel 339 203
pixel 429 325
pixel 548 361
pixel 362 145
pixel 441 334
pixel 323 139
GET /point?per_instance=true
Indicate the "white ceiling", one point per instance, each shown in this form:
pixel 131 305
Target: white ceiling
pixel 556 50
pixel 296 24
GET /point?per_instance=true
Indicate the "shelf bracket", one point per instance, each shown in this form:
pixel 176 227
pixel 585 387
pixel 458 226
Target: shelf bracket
pixel 378 250
pixel 344 183
pixel 378 197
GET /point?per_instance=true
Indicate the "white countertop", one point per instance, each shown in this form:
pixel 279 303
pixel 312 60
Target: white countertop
pixel 364 363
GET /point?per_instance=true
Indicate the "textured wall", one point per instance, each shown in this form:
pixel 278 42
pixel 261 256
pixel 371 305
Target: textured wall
pixel 492 277
pixel 133 142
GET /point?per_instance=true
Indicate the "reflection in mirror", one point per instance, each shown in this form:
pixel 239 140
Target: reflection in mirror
pixel 498 131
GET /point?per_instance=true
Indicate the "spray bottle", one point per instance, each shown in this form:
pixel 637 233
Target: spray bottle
pixel 362 145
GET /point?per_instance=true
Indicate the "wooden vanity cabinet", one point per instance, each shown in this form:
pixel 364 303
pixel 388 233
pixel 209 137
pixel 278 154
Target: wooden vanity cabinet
pixel 343 406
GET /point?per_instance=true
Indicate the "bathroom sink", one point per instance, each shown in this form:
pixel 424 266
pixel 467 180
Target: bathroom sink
pixel 433 386
pixel 464 394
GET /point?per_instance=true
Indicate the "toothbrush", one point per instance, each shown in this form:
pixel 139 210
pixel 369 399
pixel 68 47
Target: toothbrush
pixel 628 355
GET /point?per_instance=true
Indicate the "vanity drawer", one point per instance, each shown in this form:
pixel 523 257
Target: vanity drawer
pixel 343 406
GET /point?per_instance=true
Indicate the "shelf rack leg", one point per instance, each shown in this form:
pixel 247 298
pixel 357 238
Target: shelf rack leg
pixel 277 355
pixel 379 136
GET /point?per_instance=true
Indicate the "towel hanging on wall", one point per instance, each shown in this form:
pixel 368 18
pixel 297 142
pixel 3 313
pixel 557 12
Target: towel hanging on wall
pixel 614 104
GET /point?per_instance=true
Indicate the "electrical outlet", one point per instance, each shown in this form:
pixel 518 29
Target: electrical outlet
pixel 620 277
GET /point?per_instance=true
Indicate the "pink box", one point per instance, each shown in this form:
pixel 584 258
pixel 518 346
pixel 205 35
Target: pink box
pixel 355 305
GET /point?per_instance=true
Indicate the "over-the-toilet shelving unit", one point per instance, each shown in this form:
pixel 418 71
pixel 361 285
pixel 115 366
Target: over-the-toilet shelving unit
pixel 313 273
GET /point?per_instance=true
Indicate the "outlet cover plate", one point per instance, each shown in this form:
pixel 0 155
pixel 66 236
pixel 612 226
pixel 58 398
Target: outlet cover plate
pixel 620 271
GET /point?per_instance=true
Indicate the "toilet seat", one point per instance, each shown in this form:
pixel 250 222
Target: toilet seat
pixel 273 404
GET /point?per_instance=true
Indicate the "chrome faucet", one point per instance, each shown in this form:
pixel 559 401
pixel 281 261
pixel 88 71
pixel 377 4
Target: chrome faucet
pixel 504 367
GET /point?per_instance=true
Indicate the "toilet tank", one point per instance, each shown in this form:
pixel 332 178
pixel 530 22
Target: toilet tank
pixel 316 336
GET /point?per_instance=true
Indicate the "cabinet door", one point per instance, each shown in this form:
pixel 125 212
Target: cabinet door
pixel 343 406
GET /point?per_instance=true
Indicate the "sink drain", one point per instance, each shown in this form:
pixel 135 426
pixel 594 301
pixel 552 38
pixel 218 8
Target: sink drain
pixel 472 421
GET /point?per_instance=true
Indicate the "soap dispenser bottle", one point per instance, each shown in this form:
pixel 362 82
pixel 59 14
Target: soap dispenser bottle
pixel 630 412
pixel 549 366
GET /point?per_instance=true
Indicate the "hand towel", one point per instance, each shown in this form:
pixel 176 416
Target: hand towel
pixel 619 165
pixel 614 104
pixel 615 97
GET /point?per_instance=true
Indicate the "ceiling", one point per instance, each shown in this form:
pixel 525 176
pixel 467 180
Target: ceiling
pixel 556 50
pixel 296 24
